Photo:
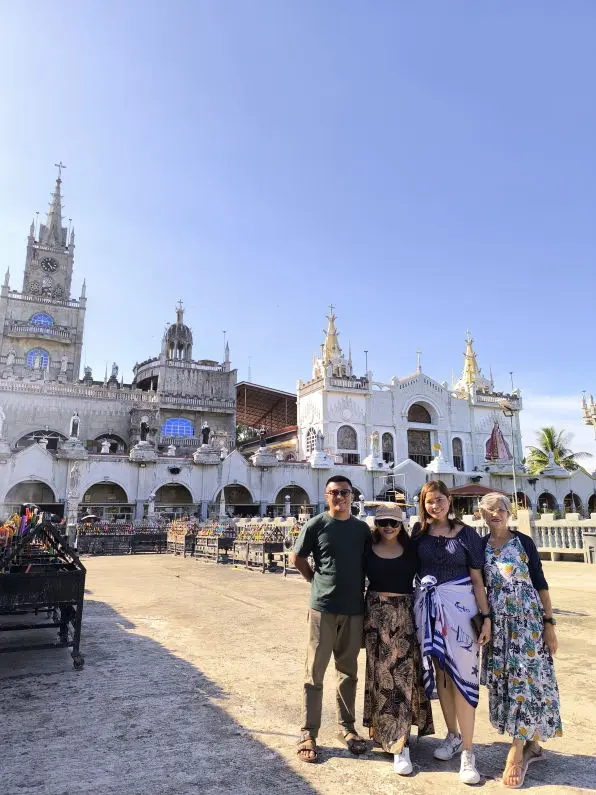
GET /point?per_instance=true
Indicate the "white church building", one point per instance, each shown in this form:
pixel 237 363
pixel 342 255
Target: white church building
pixel 165 443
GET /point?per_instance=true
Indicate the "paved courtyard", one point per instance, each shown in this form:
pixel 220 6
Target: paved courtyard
pixel 192 685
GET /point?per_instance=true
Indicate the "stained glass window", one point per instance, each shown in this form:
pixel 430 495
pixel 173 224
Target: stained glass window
pixel 177 426
pixel 38 354
pixel 346 438
pixel 42 319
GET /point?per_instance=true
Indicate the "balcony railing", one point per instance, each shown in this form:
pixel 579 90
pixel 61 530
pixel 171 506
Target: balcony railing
pixel 204 402
pixel 39 299
pixel 12 329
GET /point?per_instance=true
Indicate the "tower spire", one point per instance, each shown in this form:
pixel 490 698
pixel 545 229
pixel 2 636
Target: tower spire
pixel 331 349
pixel 471 369
pixel 53 233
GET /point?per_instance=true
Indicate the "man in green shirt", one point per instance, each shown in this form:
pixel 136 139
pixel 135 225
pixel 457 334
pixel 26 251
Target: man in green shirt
pixel 338 543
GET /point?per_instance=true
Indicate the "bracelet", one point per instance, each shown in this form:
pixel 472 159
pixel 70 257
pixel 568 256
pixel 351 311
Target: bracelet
pixel 550 620
pixel 484 616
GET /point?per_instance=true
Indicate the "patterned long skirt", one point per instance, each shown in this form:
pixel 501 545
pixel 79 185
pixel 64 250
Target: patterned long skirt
pixel 394 697
pixel 517 668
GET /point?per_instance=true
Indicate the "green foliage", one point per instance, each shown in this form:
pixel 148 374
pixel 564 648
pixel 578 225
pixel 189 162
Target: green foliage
pixel 549 440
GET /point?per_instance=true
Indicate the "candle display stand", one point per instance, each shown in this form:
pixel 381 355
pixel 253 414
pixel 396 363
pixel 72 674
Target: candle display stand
pixel 42 586
pixel 120 538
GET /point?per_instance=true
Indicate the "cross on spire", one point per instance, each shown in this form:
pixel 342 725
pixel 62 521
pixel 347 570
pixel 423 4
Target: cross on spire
pixel 418 364
pixel 60 166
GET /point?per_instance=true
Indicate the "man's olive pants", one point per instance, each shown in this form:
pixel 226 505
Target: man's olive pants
pixel 340 635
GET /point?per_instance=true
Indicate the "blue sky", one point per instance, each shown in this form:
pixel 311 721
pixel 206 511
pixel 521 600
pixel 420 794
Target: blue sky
pixel 427 167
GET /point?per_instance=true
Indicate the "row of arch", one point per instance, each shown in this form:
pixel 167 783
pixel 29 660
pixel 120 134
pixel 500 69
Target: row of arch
pixel 117 444
pixel 103 492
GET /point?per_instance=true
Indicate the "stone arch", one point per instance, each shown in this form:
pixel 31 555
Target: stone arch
pixel 117 443
pixel 592 503
pixel 549 500
pixel 105 491
pixel 35 490
pixel 173 494
pixel 388 447
pixel 429 405
pixel 457 452
pixel 347 438
pixel 32 437
pixel 572 503
pixel 298 495
pixel 235 494
pixel 523 500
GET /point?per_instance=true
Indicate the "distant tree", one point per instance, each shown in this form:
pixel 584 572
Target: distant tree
pixel 549 440
pixel 244 433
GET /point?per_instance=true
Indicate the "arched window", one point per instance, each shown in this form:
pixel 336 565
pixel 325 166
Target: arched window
pixel 347 439
pixel 417 413
pixel 387 444
pixel 38 357
pixel 458 454
pixel 177 426
pixel 42 319
pixel 311 441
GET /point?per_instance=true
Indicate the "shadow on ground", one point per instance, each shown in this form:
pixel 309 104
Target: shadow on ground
pixel 136 719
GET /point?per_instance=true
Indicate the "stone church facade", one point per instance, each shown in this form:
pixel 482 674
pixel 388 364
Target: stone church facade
pixel 165 443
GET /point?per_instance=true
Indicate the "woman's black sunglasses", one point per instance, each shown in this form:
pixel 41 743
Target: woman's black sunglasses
pixel 387 523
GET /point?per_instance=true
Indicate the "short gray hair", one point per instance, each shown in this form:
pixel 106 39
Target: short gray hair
pixel 494 499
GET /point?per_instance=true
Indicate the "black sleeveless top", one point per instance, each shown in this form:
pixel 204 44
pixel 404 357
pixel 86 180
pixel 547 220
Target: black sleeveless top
pixel 391 575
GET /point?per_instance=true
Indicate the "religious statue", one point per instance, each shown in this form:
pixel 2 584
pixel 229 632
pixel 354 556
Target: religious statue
pixel 10 357
pixel 205 431
pixel 2 419
pixel 262 433
pixel 74 425
pixel 144 429
pixel 74 479
pixel 320 441
pixel 88 374
pixel 37 361
pixel 43 442
pixel 64 363
pixel 551 459
pixel 374 443
pixel 105 446
pixel 114 371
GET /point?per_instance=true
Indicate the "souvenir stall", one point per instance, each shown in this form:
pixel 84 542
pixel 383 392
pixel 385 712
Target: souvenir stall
pixel 42 584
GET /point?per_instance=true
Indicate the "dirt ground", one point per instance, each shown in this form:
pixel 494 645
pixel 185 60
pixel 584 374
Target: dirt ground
pixel 192 684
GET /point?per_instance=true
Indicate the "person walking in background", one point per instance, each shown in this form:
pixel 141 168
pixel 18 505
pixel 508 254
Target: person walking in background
pixel 338 543
pixel 394 696
pixel 449 593
pixel 517 663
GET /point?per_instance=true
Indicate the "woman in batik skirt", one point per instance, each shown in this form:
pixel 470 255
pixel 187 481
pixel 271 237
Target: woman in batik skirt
pixel 394 697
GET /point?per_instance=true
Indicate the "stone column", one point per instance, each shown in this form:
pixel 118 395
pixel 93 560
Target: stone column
pixel 139 508
pixel 263 508
pixel 204 510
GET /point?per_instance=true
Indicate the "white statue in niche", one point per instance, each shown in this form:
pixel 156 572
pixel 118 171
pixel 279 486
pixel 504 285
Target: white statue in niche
pixel 37 361
pixel 105 446
pixel 64 363
pixel 74 425
pixel 10 357
pixel 74 479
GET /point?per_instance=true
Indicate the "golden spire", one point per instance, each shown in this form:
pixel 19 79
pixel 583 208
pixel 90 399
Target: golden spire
pixel 471 369
pixel 331 349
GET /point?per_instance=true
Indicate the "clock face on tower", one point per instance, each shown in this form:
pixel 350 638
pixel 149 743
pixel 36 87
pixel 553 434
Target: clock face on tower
pixel 49 264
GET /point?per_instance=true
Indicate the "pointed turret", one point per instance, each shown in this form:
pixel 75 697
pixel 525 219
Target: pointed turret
pixel 84 289
pixel 71 239
pixel 7 278
pixel 32 230
pixel 472 374
pixel 331 349
pixel 53 233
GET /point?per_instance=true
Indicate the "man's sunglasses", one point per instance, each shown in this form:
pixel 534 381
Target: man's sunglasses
pixel 387 523
pixel 338 492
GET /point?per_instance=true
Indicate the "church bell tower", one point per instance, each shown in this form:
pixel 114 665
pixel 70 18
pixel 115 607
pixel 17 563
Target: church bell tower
pixel 41 327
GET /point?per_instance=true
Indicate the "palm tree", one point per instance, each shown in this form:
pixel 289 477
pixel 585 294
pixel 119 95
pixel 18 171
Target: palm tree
pixel 552 441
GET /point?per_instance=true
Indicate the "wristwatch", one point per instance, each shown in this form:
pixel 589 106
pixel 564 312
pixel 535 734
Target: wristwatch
pixel 552 620
pixel 484 616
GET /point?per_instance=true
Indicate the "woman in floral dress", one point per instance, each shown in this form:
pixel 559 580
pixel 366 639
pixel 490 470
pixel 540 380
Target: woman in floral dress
pixel 517 663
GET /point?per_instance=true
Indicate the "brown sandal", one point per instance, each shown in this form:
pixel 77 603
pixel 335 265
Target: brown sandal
pixel 353 742
pixel 512 768
pixel 307 743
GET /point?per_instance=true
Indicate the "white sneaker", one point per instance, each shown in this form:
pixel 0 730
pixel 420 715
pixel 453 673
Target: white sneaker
pixel 450 746
pixel 401 762
pixel 467 770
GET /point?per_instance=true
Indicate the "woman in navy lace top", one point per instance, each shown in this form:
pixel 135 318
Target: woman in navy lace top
pixel 449 594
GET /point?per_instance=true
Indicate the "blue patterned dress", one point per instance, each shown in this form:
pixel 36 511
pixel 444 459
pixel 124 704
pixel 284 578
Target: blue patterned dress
pixel 517 667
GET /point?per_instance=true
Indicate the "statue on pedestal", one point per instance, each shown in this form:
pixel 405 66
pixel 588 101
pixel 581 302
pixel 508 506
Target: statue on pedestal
pixel 10 357
pixel 37 361
pixel 64 364
pixel 74 480
pixel 114 371
pixel 262 434
pixel 105 446
pixel 319 441
pixel 74 425
pixel 144 429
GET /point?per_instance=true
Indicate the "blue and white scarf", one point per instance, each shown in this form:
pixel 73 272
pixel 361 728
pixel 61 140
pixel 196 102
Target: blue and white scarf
pixel 443 615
